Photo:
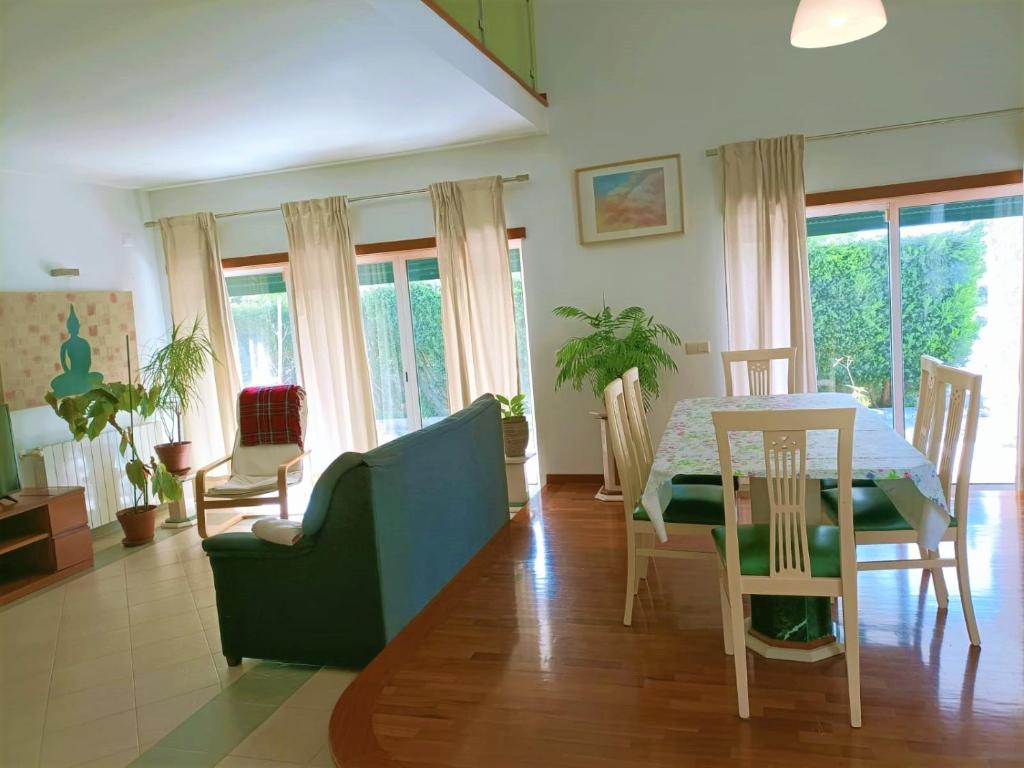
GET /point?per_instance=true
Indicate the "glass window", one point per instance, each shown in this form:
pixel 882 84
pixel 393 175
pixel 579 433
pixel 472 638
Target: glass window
pixel 378 299
pixel 428 339
pixel 960 280
pixel 261 314
pixel 937 274
pixel 400 296
pixel 848 257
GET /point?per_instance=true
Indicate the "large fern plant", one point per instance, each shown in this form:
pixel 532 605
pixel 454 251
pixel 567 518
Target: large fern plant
pixel 618 342
pixel 176 370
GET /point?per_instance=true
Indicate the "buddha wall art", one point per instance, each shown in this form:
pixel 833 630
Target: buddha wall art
pixel 67 341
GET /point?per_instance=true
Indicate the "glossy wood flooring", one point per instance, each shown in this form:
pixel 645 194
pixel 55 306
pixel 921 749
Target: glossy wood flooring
pixel 523 661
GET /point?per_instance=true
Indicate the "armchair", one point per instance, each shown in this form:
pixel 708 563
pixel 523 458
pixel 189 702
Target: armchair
pixel 260 476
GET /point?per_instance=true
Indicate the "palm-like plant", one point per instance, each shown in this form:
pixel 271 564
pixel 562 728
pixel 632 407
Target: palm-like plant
pixel 177 368
pixel 619 342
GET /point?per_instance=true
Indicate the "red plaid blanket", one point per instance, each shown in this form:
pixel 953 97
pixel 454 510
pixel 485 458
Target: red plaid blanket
pixel 270 415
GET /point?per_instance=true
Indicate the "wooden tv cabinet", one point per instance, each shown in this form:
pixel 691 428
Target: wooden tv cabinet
pixel 44 537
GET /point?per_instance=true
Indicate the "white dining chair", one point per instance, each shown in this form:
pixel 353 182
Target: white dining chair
pixel 951 429
pixel 786 556
pixel 759 369
pixel 641 430
pixel 924 418
pixel 694 509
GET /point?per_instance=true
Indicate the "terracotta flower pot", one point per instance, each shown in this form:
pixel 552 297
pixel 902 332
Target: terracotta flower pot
pixel 177 457
pixel 516 433
pixel 138 524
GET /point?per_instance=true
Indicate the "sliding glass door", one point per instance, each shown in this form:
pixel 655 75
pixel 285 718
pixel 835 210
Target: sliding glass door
pixel 379 302
pixel 960 288
pixel 427 338
pixel 261 314
pixel 400 298
pixel 936 275
pixel 848 253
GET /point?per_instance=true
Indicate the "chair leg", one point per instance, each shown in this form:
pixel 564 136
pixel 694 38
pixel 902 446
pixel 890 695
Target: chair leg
pixel 643 562
pixel 627 617
pixel 739 655
pixel 723 600
pixel 964 580
pixel 852 638
pixel 201 517
pixel 938 579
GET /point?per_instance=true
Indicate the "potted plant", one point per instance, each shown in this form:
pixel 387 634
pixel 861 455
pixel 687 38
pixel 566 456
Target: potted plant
pixel 515 429
pixel 87 415
pixel 618 342
pixel 175 371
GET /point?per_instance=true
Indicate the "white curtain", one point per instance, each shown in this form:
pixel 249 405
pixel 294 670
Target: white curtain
pixel 476 289
pixel 767 283
pixel 329 329
pixel 195 279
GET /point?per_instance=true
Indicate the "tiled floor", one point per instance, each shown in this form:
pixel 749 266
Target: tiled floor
pixel 116 662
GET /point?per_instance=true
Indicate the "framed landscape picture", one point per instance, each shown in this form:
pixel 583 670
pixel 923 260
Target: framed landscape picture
pixel 637 198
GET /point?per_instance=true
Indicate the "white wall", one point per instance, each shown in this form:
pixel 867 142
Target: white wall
pixel 640 78
pixel 47 223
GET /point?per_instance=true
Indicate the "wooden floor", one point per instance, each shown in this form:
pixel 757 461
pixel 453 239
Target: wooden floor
pixel 523 661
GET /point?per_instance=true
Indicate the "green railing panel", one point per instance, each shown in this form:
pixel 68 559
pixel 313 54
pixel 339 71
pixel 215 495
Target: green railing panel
pixel 503 27
pixel 465 12
pixel 508 34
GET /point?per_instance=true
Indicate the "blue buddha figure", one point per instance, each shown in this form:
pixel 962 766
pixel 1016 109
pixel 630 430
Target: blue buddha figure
pixel 76 360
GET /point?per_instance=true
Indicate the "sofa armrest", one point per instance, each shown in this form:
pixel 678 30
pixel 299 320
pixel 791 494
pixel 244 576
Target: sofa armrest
pixel 245 546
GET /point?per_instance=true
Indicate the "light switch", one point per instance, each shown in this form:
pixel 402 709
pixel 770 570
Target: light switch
pixel 696 347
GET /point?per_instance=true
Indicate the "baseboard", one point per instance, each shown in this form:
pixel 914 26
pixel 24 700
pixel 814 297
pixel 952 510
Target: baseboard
pixel 563 479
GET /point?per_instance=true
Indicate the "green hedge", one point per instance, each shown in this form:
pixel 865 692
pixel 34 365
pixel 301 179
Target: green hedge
pixel 850 302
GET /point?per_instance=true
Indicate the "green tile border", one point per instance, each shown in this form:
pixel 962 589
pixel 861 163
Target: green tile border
pixel 101 557
pixel 210 733
pixel 117 551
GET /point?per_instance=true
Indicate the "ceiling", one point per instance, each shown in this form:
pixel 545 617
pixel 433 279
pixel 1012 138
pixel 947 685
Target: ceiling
pixel 148 93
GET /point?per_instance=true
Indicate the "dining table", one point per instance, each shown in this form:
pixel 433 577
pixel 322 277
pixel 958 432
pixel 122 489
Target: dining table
pixel 798 628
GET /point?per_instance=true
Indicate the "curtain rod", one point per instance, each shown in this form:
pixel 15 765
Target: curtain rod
pixel 898 126
pixel 505 179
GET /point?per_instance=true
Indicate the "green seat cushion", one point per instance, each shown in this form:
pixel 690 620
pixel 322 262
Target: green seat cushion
pixel 833 483
pixel 693 504
pixel 703 480
pixel 755 543
pixel 872 510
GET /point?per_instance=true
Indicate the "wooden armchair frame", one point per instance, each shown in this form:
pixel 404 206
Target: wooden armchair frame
pixel 204 503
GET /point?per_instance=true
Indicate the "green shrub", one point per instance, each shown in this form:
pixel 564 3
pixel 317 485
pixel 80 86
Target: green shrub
pixel 850 303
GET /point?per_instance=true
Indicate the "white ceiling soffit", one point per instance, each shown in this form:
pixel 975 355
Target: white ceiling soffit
pixel 157 92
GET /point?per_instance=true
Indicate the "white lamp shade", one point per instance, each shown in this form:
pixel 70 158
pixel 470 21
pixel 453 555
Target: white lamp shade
pixel 822 23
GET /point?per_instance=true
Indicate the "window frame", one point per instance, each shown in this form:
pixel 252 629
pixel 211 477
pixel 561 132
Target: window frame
pixel 403 302
pixel 266 269
pixel 398 252
pixel 891 207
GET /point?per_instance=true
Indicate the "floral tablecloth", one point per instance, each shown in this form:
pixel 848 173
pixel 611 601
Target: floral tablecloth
pixel 688 446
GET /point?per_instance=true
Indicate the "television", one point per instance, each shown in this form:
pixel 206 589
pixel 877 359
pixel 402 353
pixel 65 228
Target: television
pixel 9 482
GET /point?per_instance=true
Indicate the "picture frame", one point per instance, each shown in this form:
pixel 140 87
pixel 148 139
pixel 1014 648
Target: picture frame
pixel 629 199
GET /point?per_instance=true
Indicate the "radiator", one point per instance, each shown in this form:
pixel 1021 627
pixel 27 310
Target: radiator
pixel 96 465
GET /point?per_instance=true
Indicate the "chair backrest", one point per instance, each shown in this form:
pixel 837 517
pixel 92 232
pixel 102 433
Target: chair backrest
pixel 954 426
pixel 784 441
pixel 637 414
pixel 631 476
pixel 263 460
pixel 759 368
pixel 924 420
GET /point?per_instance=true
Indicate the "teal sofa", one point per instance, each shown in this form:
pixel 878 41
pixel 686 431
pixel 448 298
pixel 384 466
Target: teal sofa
pixel 383 533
